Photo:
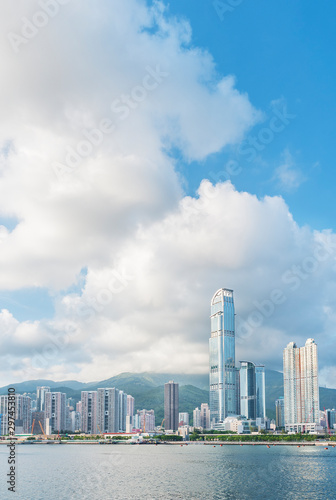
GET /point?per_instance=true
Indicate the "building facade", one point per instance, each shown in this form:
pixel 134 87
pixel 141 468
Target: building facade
pixel 331 419
pixel 3 415
pixel 223 400
pixel 40 397
pixel 252 390
pixel 183 418
pixel 301 389
pixel 280 413
pixel 55 410
pixel 197 418
pixel 89 412
pixel 108 410
pixel 146 420
pixel 205 416
pixel 23 414
pixel 171 406
pixel 122 411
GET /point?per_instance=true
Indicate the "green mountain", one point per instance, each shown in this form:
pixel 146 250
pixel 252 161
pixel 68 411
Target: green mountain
pixel 148 390
pixel 30 385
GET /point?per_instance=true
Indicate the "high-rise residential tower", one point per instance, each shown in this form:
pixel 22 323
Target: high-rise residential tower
pixel 108 410
pixel 223 401
pixel 280 413
pixel 89 412
pixel 252 390
pixel 301 389
pixel 40 397
pixel 55 409
pixel 171 406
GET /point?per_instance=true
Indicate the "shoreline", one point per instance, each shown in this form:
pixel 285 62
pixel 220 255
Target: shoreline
pixel 298 444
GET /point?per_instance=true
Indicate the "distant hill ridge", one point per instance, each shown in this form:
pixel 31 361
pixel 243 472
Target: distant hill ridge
pixel 148 388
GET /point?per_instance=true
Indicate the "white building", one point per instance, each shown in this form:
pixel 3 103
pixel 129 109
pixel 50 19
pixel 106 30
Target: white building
pixel 236 424
pixel 40 397
pixel 130 411
pixel 301 390
pixel 183 419
pixel 197 418
pixel 184 432
pixel 122 411
pixel 55 408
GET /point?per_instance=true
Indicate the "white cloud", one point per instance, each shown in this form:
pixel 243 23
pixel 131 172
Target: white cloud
pixel 149 308
pixel 91 64
pixel 287 175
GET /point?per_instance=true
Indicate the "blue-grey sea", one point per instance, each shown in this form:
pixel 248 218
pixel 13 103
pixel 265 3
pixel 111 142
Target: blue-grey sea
pixel 196 471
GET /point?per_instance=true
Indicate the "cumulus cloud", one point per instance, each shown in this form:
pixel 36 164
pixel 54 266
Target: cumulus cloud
pixel 149 308
pixel 93 106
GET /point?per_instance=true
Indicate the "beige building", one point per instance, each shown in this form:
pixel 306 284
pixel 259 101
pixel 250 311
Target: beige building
pixel 301 389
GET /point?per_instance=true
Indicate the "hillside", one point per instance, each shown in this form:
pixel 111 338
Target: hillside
pixel 147 389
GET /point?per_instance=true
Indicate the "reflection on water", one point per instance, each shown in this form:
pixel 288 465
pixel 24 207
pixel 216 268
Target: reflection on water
pixel 171 472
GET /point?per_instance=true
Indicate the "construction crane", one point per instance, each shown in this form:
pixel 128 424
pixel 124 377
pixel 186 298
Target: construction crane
pixel 162 423
pixel 32 429
pixel 42 429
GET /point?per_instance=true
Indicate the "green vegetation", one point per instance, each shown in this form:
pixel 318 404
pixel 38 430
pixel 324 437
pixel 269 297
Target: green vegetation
pixel 169 437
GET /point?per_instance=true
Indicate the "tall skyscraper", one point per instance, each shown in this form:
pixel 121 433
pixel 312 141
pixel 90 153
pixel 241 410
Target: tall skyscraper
pixel 197 417
pixel 301 389
pixel 280 413
pixel 252 390
pixel 171 406
pixel 130 406
pixel 122 411
pixel 89 412
pixel 331 418
pixel 3 415
pixel 223 401
pixel 205 416
pixel 22 414
pixel 108 410
pixel 55 409
pixel 40 397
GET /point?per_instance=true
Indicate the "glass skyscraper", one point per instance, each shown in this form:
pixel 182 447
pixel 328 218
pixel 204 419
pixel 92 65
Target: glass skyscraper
pixel 223 401
pixel 252 390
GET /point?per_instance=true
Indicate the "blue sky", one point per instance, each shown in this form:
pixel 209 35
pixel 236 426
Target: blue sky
pixel 278 50
pixel 127 247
